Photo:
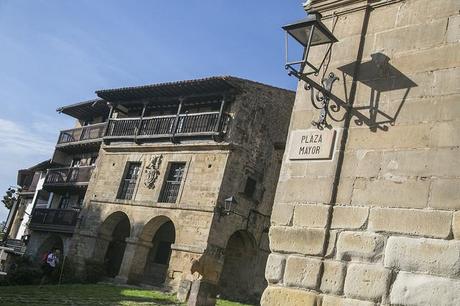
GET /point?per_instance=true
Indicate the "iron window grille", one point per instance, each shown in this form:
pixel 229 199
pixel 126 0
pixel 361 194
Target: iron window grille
pixel 129 181
pixel 171 186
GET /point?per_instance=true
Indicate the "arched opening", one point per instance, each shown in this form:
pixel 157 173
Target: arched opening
pixel 52 242
pixel 115 229
pixel 161 232
pixel 237 278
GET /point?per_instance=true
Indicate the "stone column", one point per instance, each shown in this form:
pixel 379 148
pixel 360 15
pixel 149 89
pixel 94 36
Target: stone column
pixel 132 266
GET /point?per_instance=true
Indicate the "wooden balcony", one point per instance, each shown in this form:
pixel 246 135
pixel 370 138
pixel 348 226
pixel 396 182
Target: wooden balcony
pixel 84 137
pixel 54 220
pixel 58 179
pixel 184 125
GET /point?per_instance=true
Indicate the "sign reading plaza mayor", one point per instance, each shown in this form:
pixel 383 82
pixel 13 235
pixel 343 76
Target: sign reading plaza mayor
pixel 312 144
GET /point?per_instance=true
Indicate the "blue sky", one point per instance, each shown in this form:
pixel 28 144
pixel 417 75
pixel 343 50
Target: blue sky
pixel 58 52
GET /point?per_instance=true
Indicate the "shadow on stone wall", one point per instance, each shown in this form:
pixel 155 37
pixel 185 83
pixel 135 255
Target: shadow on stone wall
pixel 379 76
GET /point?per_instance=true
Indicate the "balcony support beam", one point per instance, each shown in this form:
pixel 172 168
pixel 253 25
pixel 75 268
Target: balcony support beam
pixel 176 121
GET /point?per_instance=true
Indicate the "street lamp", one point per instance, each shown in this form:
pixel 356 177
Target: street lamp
pixel 229 206
pixel 311 32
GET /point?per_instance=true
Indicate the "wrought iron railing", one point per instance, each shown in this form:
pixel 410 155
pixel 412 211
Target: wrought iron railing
pixel 60 217
pixel 17 245
pixel 71 175
pixel 184 124
pixel 89 132
pixel 169 192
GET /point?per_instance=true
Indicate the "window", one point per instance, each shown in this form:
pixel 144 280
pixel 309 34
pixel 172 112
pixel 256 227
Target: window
pixel 171 186
pixel 64 203
pixel 250 187
pixel 129 181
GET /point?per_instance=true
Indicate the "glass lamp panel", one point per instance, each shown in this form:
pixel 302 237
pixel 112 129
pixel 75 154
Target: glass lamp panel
pixel 301 34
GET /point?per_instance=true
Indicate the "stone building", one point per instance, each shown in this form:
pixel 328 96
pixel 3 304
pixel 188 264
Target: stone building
pixel 146 173
pixel 376 221
pixel 62 181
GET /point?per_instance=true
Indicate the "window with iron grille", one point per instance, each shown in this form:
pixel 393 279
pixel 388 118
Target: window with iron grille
pixel 129 181
pixel 171 186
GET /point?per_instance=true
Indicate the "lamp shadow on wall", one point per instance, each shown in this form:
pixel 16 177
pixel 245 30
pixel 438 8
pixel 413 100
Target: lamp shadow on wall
pixel 381 78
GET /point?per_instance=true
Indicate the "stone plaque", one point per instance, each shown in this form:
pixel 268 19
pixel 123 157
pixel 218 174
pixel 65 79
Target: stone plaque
pixel 312 144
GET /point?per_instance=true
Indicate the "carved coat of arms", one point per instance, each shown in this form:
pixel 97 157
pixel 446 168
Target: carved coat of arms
pixel 152 171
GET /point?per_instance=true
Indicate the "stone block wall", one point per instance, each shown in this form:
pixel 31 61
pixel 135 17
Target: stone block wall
pixel 378 223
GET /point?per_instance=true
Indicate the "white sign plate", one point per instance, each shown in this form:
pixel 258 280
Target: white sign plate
pixel 312 144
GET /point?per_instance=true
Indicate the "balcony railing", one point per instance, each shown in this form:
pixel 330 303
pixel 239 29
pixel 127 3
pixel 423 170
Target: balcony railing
pixel 89 132
pixel 69 176
pixel 166 126
pixel 17 245
pixel 58 220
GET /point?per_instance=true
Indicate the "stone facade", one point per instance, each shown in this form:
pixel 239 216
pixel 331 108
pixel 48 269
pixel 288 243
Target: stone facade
pixel 210 252
pixel 377 223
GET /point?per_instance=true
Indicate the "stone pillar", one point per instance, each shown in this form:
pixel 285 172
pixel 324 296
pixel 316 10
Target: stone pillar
pixel 202 293
pixel 134 258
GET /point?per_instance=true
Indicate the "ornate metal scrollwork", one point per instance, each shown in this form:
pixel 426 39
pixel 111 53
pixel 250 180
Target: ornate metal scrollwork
pixel 321 100
pixel 152 171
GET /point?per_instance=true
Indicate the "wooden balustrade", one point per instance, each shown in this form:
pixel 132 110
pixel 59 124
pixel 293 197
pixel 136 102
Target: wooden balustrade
pixel 184 124
pixel 71 175
pixel 58 219
pixel 89 132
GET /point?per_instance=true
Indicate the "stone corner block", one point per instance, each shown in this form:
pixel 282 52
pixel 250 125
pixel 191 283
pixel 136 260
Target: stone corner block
pixel 456 225
pixel 333 277
pixel 419 289
pixel 279 296
pixel 360 246
pixel 366 281
pixel 275 268
pixel 349 217
pixel 329 300
pixel 297 240
pixel 433 256
pixel 302 272
pixel 312 216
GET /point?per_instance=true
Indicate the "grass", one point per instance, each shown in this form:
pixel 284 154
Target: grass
pixel 87 295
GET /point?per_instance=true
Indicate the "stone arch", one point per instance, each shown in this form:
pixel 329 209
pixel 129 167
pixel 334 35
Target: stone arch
pixel 154 251
pixel 111 240
pixel 236 280
pixel 53 241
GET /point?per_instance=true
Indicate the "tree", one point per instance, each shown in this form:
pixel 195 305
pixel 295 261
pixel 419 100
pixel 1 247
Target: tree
pixel 10 197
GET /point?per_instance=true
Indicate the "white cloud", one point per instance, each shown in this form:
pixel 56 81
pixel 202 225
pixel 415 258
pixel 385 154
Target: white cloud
pixel 15 139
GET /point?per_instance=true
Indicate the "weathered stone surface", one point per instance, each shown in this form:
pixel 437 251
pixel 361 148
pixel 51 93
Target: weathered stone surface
pixel 420 11
pixel 297 240
pixel 278 296
pixel 432 256
pixel 275 268
pixel 446 83
pixel 391 192
pixel 302 272
pixel 445 194
pixel 456 225
pixel 329 300
pixel 422 36
pixel 453 29
pixel 360 246
pixel 417 289
pixel 282 214
pixel 362 163
pixel 349 217
pixel 305 190
pixel 333 277
pixel 331 243
pixel 411 221
pixel 364 281
pixel 312 216
pixel 411 136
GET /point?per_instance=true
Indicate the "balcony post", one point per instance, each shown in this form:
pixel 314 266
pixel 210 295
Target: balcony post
pixel 176 121
pixel 111 107
pixel 139 126
pixel 222 105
